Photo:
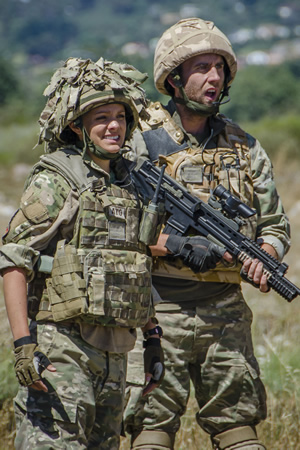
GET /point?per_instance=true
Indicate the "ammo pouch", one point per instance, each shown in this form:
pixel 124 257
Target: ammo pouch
pixel 105 286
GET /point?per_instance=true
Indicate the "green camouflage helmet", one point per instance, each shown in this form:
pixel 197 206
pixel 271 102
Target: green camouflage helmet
pixel 185 39
pixel 79 86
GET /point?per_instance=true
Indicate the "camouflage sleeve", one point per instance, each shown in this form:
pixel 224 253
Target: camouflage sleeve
pixel 273 224
pixel 17 255
pixel 40 207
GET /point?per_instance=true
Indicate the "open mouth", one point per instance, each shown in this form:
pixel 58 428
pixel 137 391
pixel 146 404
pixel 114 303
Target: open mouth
pixel 211 93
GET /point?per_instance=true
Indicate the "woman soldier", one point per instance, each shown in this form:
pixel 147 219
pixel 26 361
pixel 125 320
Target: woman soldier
pixel 75 241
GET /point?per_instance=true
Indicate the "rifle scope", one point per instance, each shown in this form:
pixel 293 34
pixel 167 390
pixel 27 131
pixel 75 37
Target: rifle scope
pixel 231 204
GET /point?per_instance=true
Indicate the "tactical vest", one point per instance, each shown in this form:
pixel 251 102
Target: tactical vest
pixel 102 276
pixel 200 170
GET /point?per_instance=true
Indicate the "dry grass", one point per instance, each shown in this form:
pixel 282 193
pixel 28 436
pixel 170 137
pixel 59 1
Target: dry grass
pixel 276 338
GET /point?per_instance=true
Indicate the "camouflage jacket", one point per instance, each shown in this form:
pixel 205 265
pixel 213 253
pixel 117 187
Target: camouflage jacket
pixel 88 235
pixel 228 155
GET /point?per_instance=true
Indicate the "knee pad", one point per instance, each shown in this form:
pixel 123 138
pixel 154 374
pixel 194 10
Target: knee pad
pixel 152 440
pixel 241 438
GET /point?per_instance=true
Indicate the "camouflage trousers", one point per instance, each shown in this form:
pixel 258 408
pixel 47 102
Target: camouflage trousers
pixel 212 347
pixel 84 404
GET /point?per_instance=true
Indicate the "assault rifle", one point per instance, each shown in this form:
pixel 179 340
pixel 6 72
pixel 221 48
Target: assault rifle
pixel 218 220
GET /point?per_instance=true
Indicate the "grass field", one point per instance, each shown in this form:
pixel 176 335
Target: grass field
pixel 275 332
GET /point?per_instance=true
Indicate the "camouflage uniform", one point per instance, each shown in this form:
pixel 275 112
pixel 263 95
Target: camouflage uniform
pixel 87 390
pixel 75 235
pixel 206 321
pixel 83 405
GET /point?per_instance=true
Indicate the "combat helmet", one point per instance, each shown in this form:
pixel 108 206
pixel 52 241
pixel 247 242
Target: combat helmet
pixel 188 38
pixel 79 86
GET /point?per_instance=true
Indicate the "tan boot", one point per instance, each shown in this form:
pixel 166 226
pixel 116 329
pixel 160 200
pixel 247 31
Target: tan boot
pixel 153 440
pixel 243 438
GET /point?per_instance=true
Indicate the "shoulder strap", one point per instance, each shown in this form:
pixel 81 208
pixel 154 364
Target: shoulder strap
pixel 69 164
pixel 161 134
pixel 234 135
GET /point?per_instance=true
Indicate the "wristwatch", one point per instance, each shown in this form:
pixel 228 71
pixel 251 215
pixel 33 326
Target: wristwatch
pixel 155 330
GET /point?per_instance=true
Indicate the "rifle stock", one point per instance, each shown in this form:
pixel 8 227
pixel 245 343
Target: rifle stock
pixel 187 213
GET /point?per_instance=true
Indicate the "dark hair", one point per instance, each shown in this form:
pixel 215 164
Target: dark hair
pixel 68 136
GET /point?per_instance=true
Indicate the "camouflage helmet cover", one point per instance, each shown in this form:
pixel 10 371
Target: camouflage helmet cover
pixel 79 86
pixel 185 39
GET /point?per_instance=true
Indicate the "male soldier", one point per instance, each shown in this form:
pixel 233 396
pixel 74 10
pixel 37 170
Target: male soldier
pixel 206 321
pixel 75 240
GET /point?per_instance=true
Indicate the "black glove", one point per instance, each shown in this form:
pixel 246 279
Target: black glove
pixel 30 361
pixel 153 361
pixel 197 252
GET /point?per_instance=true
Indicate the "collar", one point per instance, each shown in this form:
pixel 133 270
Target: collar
pixel 89 162
pixel 216 123
pixel 122 169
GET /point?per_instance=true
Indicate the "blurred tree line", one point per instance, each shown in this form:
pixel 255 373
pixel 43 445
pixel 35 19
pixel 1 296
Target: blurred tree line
pixel 36 35
pixel 260 91
pixel 256 92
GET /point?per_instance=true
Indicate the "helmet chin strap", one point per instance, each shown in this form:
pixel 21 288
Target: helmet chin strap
pixel 199 108
pixel 98 151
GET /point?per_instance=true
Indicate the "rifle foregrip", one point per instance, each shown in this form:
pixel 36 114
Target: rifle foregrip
pixel 284 288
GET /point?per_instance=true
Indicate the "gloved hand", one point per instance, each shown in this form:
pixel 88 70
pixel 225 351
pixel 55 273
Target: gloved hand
pixel 30 361
pixel 197 252
pixel 153 363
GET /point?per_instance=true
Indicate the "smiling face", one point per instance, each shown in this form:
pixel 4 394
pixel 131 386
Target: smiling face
pixel 106 126
pixel 203 77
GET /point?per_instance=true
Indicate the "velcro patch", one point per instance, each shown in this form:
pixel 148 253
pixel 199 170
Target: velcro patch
pixel 32 209
pixel 116 212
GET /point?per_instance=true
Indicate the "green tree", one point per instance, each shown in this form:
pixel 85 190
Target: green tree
pixel 9 85
pixel 45 36
pixel 260 91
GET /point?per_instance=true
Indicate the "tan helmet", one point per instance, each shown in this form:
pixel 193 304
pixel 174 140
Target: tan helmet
pixel 79 86
pixel 185 39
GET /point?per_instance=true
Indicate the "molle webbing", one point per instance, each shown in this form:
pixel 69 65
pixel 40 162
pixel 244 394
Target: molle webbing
pixel 108 218
pixel 164 137
pixel 103 274
pixel 222 159
pixel 101 286
pixel 66 287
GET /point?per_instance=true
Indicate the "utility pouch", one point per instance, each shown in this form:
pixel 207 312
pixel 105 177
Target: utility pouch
pixel 118 287
pixel 151 223
pixel 66 288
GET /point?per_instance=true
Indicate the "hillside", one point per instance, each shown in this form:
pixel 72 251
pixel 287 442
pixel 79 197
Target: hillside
pixel 50 29
pixel 35 35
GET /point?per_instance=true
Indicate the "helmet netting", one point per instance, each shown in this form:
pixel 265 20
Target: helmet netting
pixel 79 86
